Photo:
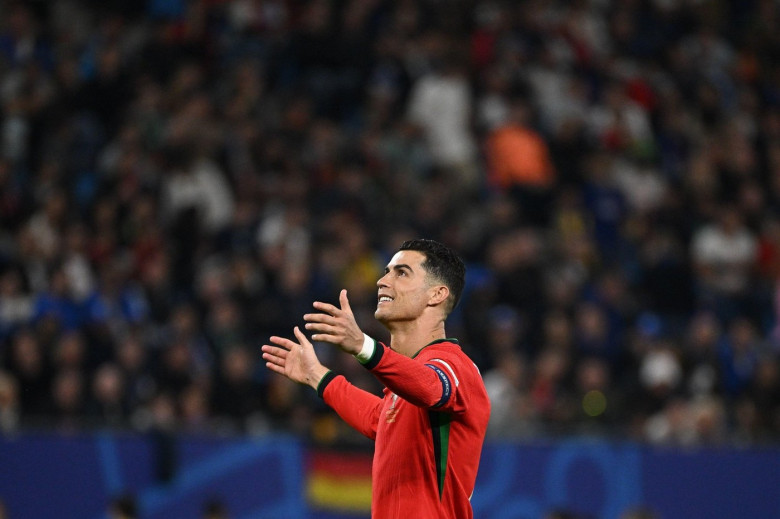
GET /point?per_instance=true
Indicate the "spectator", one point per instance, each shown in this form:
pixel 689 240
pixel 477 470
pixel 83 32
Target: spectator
pixel 47 225
pixel 107 405
pixel 197 183
pixel 55 310
pixel 15 304
pixel 9 403
pixel 764 397
pixel 605 203
pixel 132 358
pixel 620 124
pixel 519 163
pixel 441 106
pixel 155 216
pixel 549 393
pixel 225 325
pixel 511 413
pixel 236 396
pixel 70 352
pixel 68 396
pixel 703 369
pixel 27 364
pixel 194 409
pixel 596 406
pixel 739 351
pixel 724 255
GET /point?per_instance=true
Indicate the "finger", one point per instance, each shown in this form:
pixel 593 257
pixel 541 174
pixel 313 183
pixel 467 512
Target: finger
pixel 320 327
pixel 325 307
pixel 301 337
pixel 319 318
pixel 274 351
pixel 275 368
pixel 325 337
pixel 283 342
pixel 344 301
pixel 273 359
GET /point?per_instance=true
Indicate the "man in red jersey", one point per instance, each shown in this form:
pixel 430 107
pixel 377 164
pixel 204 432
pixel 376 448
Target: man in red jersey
pixel 430 425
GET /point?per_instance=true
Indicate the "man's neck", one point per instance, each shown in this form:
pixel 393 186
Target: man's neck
pixel 409 338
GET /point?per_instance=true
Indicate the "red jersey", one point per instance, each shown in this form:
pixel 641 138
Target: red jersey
pixel 428 429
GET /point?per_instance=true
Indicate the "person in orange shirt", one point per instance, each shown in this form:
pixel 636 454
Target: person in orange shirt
pixel 519 163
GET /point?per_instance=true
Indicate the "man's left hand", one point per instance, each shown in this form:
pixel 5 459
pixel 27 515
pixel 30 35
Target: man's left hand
pixel 336 325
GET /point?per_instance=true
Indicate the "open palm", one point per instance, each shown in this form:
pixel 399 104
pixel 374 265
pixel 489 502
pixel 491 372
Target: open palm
pixel 295 360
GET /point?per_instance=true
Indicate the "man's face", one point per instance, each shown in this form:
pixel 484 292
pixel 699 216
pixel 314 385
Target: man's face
pixel 404 290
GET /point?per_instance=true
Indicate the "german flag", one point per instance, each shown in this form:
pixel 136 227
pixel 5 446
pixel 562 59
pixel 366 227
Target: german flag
pixel 339 481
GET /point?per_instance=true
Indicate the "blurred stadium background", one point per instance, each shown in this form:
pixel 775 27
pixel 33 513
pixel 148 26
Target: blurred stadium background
pixel 180 179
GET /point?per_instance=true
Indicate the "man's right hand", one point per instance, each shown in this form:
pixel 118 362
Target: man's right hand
pixel 295 360
pixel 336 325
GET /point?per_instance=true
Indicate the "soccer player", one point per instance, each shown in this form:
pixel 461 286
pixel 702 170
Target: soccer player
pixel 429 426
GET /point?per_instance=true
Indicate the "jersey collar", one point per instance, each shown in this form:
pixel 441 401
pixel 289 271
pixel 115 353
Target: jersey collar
pixel 437 341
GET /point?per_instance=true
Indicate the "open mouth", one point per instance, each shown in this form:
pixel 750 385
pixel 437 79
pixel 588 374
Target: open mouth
pixel 384 299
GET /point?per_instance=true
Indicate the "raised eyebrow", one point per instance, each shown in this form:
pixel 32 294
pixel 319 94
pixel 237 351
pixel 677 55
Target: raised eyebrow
pixel 400 266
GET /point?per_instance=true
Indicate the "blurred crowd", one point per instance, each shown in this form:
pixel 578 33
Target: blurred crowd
pixel 179 180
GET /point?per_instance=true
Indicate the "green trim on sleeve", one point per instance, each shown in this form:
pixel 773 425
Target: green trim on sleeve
pixel 324 381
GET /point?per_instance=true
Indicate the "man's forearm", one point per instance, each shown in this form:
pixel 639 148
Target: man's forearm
pixel 316 375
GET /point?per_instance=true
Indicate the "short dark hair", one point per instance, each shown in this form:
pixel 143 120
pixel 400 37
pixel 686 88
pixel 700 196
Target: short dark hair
pixel 443 264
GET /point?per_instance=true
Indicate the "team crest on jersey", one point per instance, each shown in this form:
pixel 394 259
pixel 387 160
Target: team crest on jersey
pixel 392 411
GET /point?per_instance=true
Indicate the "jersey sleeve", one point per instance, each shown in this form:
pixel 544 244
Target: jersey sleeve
pixel 359 408
pixel 432 380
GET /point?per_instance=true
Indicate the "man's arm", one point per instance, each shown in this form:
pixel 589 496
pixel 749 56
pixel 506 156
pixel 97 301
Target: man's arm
pixel 359 408
pixel 298 362
pixel 430 385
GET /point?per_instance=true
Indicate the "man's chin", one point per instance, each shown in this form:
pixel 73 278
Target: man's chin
pixel 380 316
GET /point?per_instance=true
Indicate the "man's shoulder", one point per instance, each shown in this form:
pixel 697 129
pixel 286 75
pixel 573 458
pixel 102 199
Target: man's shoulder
pixel 448 351
pixel 449 347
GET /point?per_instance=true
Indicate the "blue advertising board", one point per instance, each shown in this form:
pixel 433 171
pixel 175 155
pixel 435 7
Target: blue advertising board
pixel 74 476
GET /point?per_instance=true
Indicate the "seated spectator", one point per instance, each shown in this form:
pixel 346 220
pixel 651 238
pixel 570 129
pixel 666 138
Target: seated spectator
pixel 107 405
pixel 237 396
pixel 16 306
pixel 511 413
pixel 26 362
pixel 68 397
pixel 739 350
pixel 55 309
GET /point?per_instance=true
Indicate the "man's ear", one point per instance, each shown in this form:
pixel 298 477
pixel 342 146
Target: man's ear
pixel 438 294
